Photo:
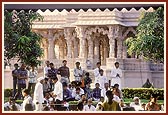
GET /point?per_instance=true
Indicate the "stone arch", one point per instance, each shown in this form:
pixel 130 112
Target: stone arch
pixel 44 45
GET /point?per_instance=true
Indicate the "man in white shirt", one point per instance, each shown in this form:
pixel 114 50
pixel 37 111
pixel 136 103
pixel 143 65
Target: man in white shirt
pixel 38 98
pixel 101 79
pixel 96 71
pixel 116 75
pixel 46 68
pixel 57 93
pixel 89 106
pixel 104 90
pixel 11 102
pixel 78 72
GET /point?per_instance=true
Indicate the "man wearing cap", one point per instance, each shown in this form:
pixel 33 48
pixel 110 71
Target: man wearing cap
pixel 15 73
pixel 116 75
pixel 38 98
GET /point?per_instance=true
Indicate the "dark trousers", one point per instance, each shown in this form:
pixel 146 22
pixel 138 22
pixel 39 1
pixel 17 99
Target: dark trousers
pixel 31 86
pixel 20 87
pixel 14 87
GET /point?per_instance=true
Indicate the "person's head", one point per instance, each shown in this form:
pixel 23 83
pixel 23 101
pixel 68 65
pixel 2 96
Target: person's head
pixel 83 97
pixel 97 85
pixel 64 62
pixel 78 84
pixel 77 90
pixel 109 94
pixel 153 98
pixel 102 99
pixel 23 66
pixel 136 100
pixel 11 100
pixel 98 64
pixel 116 64
pixel 90 101
pixel 47 63
pixel 55 79
pixel 101 72
pixel 16 66
pixel 33 67
pixel 51 65
pixel 25 92
pixel 45 79
pixel 116 86
pixel 77 64
pixel 106 85
pixel 100 105
pixel 73 84
pixel 87 74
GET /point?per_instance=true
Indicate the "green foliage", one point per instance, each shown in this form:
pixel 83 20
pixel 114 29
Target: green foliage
pixel 19 39
pixel 149 40
pixel 7 92
pixel 143 93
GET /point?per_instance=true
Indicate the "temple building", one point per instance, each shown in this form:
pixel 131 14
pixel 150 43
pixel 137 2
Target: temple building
pixel 93 36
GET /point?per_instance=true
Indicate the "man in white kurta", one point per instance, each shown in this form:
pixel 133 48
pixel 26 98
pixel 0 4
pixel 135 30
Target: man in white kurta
pixel 101 79
pixel 96 71
pixel 38 98
pixel 116 75
pixel 57 93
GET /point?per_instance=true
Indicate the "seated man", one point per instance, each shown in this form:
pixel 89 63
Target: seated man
pixel 96 92
pixel 76 94
pixel 136 104
pixel 8 105
pixel 67 95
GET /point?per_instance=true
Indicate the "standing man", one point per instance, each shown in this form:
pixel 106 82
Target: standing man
pixel 38 98
pixel 116 75
pixel 22 77
pixel 32 79
pixel 96 71
pixel 64 72
pixel 52 73
pixel 46 68
pixel 57 93
pixel 78 72
pixel 15 73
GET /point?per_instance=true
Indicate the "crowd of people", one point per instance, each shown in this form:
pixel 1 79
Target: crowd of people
pixel 49 93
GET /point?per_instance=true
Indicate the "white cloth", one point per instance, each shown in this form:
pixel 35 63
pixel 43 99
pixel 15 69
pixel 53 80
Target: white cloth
pixel 38 93
pixel 86 108
pixel 27 100
pixel 114 78
pixel 136 107
pixel 77 96
pixel 40 78
pixel 101 80
pixel 58 91
pixel 45 71
pixel 96 73
pixel 78 73
pixel 116 98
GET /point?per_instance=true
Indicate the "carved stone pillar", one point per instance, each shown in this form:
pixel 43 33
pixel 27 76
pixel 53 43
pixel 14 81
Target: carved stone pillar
pixel 51 52
pixel 96 50
pixel 124 51
pixel 119 49
pixel 112 46
pixel 69 45
pixel 75 49
pixel 90 44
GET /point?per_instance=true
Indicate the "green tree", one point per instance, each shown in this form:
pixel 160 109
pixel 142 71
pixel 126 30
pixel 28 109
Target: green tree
pixel 149 40
pixel 19 39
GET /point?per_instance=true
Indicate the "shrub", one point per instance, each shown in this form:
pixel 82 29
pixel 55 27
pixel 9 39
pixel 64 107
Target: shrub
pixel 143 93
